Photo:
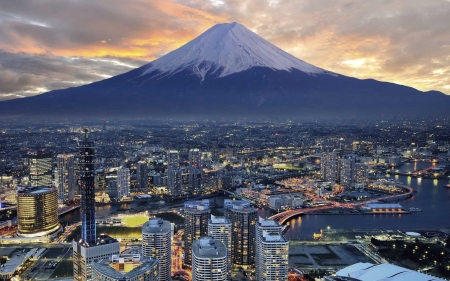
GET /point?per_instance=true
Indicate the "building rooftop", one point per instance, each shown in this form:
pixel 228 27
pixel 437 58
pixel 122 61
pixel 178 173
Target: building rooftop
pixel 267 222
pixel 273 237
pixel 218 220
pixel 208 247
pixel 125 267
pixel 156 225
pixel 33 190
pixel 372 272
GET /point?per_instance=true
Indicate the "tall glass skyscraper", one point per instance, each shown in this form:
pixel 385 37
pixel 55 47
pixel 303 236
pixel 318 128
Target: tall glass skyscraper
pixel 40 163
pixel 65 179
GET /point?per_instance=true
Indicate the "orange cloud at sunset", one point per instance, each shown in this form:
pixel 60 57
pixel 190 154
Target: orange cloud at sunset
pixel 78 42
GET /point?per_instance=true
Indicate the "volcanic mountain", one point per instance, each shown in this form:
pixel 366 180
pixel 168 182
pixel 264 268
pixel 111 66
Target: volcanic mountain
pixel 231 71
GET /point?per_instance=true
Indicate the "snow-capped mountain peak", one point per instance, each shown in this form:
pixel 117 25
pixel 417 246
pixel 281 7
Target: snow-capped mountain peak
pixel 225 49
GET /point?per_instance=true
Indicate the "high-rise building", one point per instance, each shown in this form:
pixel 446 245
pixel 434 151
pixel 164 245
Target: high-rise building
pixel 141 175
pixel 196 217
pixel 220 229
pixel 89 248
pixel 37 211
pixel 157 243
pixel 270 226
pixel 123 182
pixel 65 180
pixel 243 235
pixel 84 255
pixel 195 171
pixel 40 163
pixel 274 258
pixel 209 260
pixel 330 166
pixel 361 173
pixel 347 171
pixel 126 267
pixel 174 172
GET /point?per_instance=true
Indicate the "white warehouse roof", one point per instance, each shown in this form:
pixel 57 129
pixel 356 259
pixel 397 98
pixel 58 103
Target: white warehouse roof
pixel 383 272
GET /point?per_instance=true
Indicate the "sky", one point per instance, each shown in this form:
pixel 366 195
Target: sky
pixel 55 44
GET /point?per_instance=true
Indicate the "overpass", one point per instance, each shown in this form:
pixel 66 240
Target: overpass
pixel 67 209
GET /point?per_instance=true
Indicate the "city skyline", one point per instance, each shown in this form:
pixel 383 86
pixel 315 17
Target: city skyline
pixel 403 42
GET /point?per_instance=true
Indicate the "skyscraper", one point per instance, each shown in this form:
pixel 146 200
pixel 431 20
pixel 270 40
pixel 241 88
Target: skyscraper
pixel 220 229
pixel 195 171
pixel 273 264
pixel 40 163
pixel 243 235
pixel 347 171
pixel 174 172
pixel 196 217
pixel 157 243
pixel 123 182
pixel 87 182
pixel 209 260
pixel 142 175
pixel 262 225
pixel 37 211
pixel 330 166
pixel 65 180
pixel 361 173
pixel 89 248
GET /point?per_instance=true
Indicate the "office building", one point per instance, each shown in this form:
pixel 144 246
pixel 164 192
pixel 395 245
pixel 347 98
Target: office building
pixel 274 257
pixel 209 260
pixel 330 166
pixel 65 179
pixel 40 164
pixel 196 217
pixel 157 243
pixel 90 247
pixel 141 175
pixel 220 229
pixel 123 182
pixel 37 211
pixel 347 171
pixel 195 171
pixel 262 225
pixel 174 173
pixel 126 267
pixel 84 255
pixel 243 235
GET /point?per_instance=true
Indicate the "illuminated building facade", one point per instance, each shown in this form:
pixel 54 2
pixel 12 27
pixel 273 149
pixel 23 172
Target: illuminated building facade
pixel 220 229
pixel 262 225
pixel 195 171
pixel 209 260
pixel 243 233
pixel 274 259
pixel 40 163
pixel 347 171
pixel 196 217
pixel 330 166
pixel 65 180
pixel 87 185
pixel 141 175
pixel 157 243
pixel 37 211
pixel 174 173
pixel 123 182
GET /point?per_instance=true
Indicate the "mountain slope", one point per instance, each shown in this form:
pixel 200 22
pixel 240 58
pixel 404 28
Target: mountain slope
pixel 230 71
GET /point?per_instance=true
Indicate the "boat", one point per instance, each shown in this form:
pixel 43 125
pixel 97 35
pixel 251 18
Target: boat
pixel 414 209
pixel 447 185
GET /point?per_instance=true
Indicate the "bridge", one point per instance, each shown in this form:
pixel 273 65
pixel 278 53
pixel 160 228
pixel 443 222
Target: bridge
pixel 287 215
pixel 67 209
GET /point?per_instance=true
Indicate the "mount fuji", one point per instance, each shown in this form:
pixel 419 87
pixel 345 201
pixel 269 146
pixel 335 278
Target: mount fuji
pixel 231 71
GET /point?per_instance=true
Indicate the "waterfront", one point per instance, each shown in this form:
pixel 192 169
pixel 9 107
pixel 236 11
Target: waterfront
pixel 431 197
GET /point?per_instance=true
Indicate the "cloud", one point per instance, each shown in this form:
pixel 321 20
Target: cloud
pixel 53 44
